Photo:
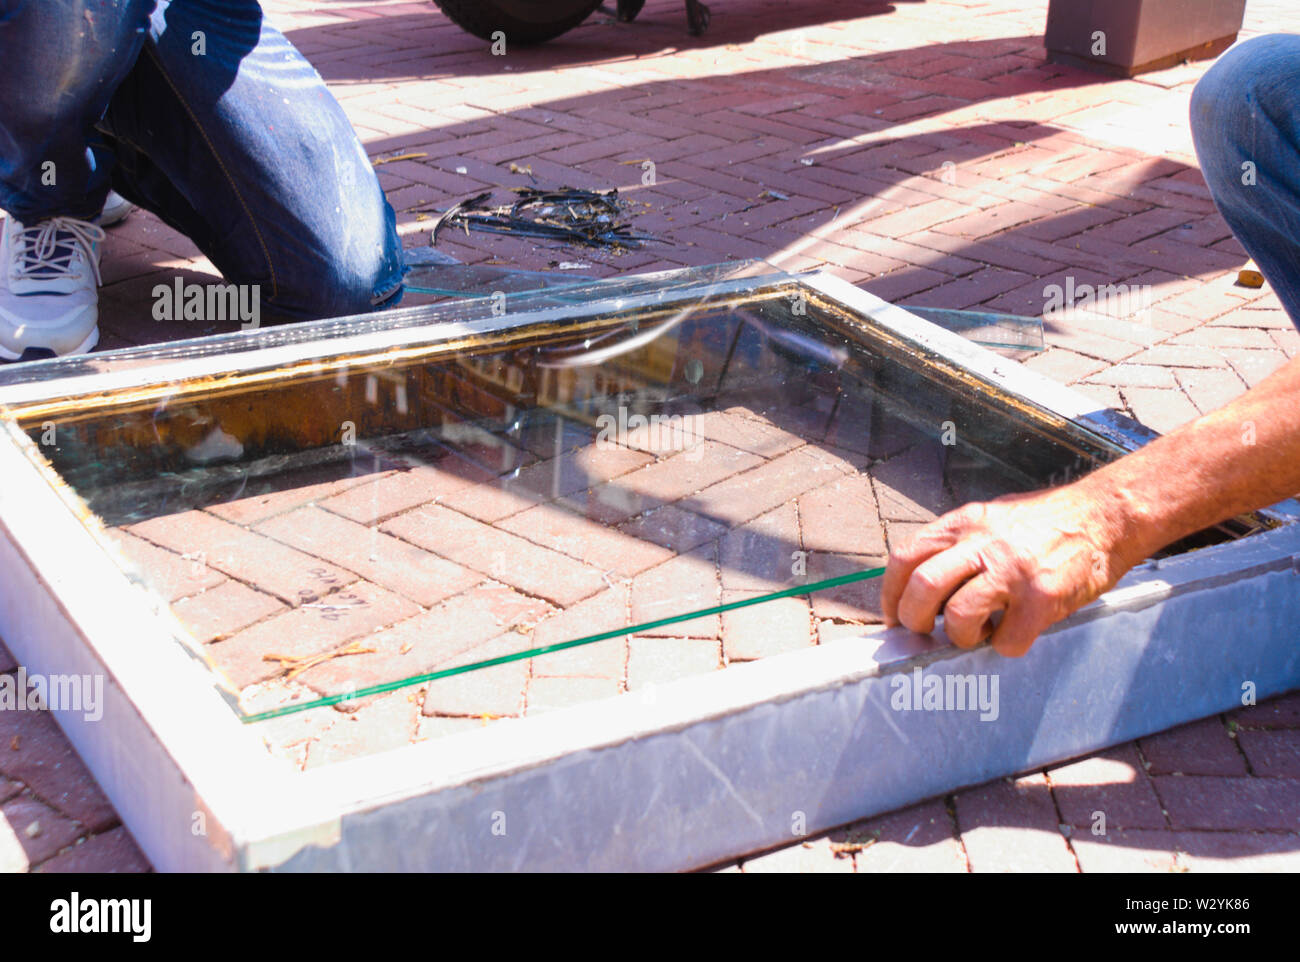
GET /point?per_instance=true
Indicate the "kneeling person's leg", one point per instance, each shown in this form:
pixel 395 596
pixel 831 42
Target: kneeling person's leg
pixel 229 134
pixel 1246 123
pixel 62 61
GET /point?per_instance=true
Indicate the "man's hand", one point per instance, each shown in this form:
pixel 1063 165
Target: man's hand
pixel 1036 558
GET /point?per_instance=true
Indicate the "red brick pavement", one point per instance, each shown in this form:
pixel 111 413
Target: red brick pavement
pixel 925 151
pixel 1217 795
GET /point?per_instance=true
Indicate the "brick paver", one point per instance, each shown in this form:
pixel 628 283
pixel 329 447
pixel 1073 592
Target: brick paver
pixel 921 150
pixel 1109 812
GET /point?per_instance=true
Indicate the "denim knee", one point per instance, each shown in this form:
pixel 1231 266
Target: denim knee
pixel 357 286
pixel 1246 79
pixel 354 274
pixel 1246 125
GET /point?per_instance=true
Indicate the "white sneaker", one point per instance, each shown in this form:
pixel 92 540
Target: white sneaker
pixel 115 210
pixel 217 445
pixel 49 275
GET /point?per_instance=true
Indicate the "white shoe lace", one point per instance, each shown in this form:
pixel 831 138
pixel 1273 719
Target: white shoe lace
pixel 45 251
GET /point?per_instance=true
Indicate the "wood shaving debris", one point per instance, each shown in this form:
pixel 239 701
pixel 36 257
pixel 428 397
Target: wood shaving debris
pixel 297 665
pixel 380 161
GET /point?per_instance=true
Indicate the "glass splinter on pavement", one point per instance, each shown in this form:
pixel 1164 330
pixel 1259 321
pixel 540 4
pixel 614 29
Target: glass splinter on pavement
pixel 478 517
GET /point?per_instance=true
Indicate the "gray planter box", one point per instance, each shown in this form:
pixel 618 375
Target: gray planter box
pixel 1140 35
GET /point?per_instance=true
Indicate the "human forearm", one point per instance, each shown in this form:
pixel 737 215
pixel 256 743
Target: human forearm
pixel 1243 456
pixel 1037 557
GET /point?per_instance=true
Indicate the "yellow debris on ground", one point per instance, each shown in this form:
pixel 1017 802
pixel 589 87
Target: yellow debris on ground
pixel 1249 276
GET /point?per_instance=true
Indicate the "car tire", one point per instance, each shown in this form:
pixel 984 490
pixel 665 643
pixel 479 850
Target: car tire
pixel 524 22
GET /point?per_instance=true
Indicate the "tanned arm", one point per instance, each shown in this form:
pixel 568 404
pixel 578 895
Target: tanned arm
pixel 1039 557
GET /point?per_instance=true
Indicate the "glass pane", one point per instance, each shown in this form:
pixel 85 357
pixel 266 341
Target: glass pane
pixel 603 456
pixel 1007 334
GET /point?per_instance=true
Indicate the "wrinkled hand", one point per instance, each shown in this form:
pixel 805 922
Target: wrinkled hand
pixel 1036 558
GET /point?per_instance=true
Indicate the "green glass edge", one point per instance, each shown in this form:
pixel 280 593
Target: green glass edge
pixel 388 686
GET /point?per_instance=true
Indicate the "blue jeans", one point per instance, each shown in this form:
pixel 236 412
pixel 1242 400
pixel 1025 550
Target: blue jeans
pixel 201 112
pixel 1246 123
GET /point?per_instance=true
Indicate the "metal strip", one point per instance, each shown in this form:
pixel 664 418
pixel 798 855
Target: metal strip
pixel 260 357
